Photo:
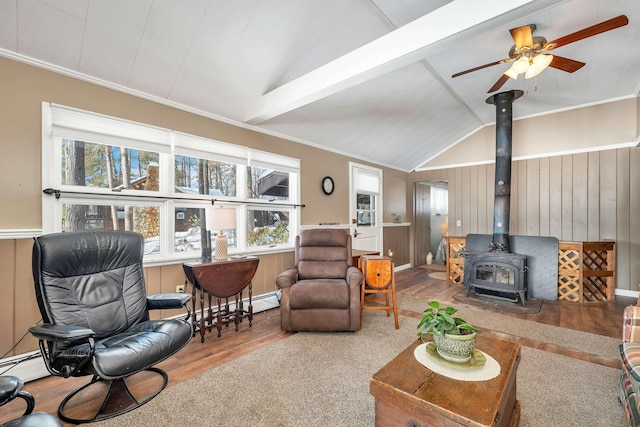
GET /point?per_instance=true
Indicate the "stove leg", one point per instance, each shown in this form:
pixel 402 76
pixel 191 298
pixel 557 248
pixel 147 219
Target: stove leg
pixel 523 298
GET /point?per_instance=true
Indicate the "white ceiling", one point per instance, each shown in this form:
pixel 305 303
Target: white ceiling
pixel 341 76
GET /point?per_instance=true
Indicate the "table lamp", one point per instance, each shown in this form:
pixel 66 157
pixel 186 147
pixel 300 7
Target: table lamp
pixel 221 219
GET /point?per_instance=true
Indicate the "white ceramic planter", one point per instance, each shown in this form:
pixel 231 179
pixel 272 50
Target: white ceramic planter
pixel 455 348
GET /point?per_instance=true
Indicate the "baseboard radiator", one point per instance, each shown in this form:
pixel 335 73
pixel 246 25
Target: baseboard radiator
pixel 30 366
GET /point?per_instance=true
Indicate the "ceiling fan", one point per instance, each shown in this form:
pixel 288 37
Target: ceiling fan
pixel 528 53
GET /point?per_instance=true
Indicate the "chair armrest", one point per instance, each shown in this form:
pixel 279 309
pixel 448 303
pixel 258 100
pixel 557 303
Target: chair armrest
pixel 631 324
pixel 168 301
pixel 287 278
pixel 49 332
pixel 354 276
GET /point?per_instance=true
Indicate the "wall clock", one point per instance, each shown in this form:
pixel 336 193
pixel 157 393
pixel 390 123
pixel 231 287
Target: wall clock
pixel 327 185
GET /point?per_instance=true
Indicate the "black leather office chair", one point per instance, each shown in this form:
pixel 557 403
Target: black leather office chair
pixel 11 388
pixel 91 293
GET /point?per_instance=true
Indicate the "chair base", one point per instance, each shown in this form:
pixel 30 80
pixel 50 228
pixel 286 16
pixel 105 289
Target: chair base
pixel 118 399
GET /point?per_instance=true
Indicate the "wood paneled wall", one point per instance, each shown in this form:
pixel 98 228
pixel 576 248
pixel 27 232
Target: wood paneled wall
pixel 579 197
pixel 397 239
pixel 19 309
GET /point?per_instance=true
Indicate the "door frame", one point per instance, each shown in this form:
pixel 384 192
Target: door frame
pixel 377 230
pixel 423 222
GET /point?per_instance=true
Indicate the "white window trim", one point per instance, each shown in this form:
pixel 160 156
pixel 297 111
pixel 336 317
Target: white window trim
pixel 68 122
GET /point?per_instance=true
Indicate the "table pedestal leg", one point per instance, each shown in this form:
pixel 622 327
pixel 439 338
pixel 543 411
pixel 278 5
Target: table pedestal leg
pixel 236 317
pixel 210 313
pixel 219 325
pixel 202 322
pixel 250 306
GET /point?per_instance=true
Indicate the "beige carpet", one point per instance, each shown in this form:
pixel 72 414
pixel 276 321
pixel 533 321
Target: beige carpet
pixel 322 379
pixel 489 319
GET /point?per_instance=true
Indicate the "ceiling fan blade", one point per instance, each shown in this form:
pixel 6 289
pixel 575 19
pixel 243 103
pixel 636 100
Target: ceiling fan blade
pixel 611 24
pixel 522 37
pixel 566 64
pixel 501 81
pixel 491 64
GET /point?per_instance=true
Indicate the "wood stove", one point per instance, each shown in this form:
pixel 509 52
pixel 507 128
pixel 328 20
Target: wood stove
pixel 497 272
pixel 496 275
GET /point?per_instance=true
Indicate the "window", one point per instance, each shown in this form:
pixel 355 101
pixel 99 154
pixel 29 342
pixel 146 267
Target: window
pixel 439 200
pixel 366 212
pixel 108 173
pixel 87 164
pixel 202 176
pixel 267 183
pixel 267 227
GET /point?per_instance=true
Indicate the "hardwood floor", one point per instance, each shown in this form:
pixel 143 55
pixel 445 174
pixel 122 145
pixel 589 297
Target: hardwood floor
pixel 598 318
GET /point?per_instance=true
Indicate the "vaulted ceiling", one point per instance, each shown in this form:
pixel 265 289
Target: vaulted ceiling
pixel 366 78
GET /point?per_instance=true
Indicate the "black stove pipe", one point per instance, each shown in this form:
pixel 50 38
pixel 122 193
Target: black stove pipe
pixel 501 208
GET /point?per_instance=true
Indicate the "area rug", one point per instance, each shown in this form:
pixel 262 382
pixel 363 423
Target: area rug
pixel 532 306
pixel 488 319
pixel 322 379
pixel 438 275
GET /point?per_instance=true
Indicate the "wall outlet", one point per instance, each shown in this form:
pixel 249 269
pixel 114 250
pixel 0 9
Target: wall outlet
pixel 458 223
pixel 180 289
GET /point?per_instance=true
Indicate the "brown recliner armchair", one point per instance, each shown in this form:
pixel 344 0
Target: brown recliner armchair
pixel 322 291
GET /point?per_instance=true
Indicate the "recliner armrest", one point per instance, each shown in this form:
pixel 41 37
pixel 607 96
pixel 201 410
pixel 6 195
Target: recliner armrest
pixel 49 332
pixel 631 324
pixel 168 301
pixel 287 278
pixel 354 276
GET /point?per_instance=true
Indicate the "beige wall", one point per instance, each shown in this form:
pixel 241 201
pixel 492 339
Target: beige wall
pixel 582 129
pixel 637 118
pixel 23 88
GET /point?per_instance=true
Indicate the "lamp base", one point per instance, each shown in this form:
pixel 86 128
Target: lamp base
pixel 221 247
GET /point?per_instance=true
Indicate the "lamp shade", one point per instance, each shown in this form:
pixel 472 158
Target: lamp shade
pixel 221 219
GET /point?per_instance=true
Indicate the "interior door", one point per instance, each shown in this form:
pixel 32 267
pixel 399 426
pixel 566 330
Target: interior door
pixel 366 207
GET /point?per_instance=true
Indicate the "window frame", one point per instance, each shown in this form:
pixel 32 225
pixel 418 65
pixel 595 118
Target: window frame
pixel 66 122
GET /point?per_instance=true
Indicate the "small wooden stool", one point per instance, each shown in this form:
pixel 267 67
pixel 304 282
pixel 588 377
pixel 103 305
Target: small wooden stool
pixel 378 278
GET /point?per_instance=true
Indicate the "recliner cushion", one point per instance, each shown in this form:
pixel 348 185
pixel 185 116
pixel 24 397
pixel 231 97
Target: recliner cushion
pixel 324 237
pixel 107 302
pixel 322 269
pixel 142 346
pixel 629 399
pixel 91 279
pixel 307 294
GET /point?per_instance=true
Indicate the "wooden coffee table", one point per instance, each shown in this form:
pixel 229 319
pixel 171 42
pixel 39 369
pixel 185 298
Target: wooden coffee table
pixel 409 394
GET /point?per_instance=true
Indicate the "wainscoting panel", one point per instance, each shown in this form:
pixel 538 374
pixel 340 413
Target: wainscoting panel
pixel 19 309
pixel 397 238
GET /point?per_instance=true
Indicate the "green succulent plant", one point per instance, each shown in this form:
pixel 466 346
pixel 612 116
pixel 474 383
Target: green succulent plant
pixel 440 320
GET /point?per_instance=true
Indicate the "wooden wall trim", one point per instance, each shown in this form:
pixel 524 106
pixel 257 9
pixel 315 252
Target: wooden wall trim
pixel 20 234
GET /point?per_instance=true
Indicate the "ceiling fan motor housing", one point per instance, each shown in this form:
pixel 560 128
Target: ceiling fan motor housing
pixel 528 51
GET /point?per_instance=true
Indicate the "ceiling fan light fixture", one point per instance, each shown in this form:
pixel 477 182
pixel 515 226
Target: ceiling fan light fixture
pixel 538 65
pixel 519 66
pixel 511 73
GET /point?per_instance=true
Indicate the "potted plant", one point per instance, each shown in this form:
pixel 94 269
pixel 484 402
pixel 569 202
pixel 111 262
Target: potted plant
pixel 455 339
